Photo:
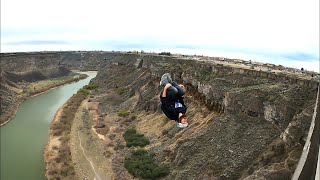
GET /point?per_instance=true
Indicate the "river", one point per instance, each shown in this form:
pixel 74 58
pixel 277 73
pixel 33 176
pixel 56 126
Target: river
pixel 24 138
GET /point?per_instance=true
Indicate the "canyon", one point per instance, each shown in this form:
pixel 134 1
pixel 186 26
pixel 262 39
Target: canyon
pixel 244 123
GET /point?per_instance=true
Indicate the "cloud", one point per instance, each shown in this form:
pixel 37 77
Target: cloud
pixel 300 56
pixel 267 30
pixel 37 42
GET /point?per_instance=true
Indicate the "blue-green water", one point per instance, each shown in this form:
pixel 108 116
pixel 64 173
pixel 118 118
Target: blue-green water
pixel 24 138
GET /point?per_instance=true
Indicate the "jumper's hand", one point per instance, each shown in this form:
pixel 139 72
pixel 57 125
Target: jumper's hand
pixel 167 86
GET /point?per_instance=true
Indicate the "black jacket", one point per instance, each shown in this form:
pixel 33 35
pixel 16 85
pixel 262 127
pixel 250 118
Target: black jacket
pixel 168 107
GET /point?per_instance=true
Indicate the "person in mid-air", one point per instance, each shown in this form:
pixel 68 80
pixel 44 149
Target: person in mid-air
pixel 172 104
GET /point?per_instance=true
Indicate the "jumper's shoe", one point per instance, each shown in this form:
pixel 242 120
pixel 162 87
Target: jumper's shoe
pixel 165 79
pixel 180 125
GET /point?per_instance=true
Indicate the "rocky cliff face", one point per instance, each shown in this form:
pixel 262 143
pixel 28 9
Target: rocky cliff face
pixel 25 62
pixel 18 70
pixel 243 124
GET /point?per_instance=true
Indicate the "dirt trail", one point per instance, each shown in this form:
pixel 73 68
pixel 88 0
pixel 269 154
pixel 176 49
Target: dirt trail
pixel 97 177
pixel 86 147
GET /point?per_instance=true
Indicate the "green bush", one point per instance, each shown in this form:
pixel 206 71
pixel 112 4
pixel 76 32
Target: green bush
pixel 123 113
pixel 133 138
pixel 142 164
pixel 84 91
pixel 121 90
pixel 91 87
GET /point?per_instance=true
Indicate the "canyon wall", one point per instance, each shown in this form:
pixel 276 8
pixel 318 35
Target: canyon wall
pixel 19 70
pixel 261 118
pixel 244 124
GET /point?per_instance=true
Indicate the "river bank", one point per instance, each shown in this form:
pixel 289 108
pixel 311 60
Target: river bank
pixel 58 162
pixel 24 139
pixel 35 89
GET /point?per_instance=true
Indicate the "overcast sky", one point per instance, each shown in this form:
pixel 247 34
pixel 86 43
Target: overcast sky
pixel 278 31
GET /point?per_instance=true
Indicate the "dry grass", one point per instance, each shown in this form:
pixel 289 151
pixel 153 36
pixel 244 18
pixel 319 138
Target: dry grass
pixel 44 85
pixel 58 160
pixel 93 145
pixel 158 125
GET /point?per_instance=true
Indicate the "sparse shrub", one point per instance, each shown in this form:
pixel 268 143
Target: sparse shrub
pixel 132 118
pixel 107 154
pixel 84 91
pixel 133 138
pixel 65 139
pixel 125 123
pixel 55 147
pixel 102 131
pixel 52 171
pixel 100 125
pixel 91 86
pixel 142 164
pixel 123 113
pixel 57 132
pixel 112 136
pixel 64 115
pixel 121 90
pixel 165 131
pixel 110 144
pixel 57 159
pixel 67 171
pixel 119 146
pixel 117 130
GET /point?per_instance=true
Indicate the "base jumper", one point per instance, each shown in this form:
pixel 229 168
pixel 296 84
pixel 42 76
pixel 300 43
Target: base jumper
pixel 171 98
